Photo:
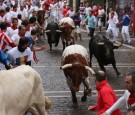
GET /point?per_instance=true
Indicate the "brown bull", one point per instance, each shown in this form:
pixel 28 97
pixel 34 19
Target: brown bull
pixel 41 22
pixel 67 26
pixel 75 67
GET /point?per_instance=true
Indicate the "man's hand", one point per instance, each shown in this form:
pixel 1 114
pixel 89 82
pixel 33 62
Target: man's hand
pixel 44 47
pixel 92 108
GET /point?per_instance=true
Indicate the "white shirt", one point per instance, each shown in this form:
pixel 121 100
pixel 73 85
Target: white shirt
pixel 71 13
pixel 3 6
pixel 119 103
pixel 101 12
pixel 87 10
pixel 16 38
pixel 114 14
pixel 18 58
pixel 113 22
pixel 10 32
pixel 23 13
pixel 14 14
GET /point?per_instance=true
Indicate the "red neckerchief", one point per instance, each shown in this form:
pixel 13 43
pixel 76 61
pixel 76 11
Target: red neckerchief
pixel 131 100
pixel 20 35
pixel 112 17
pixel 101 84
pixel 13 27
pixel 99 8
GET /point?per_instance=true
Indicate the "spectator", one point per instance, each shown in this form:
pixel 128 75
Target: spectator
pixel 101 15
pixel 5 42
pixel 131 111
pixel 32 39
pixel 4 60
pixel 106 95
pixel 21 33
pixel 19 17
pixel 125 28
pixel 113 21
pixel 91 23
pixel 77 21
pixel 13 29
pixel 128 98
pixel 21 54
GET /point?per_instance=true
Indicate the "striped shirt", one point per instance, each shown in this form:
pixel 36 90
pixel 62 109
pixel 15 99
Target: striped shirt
pixel 5 41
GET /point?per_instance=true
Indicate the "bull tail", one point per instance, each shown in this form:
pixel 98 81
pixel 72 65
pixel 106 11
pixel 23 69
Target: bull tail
pixel 48 103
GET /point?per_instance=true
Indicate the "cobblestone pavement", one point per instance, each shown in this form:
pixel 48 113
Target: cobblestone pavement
pixel 55 84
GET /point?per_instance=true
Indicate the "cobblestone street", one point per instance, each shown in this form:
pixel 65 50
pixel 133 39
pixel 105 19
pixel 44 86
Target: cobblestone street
pixel 54 81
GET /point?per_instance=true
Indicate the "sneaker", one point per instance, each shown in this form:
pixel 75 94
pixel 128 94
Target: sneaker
pixel 125 42
pixel 129 43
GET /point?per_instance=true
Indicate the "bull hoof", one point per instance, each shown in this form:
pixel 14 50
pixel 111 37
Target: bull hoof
pixel 51 51
pixel 119 75
pixel 84 98
pixel 74 100
pixel 56 45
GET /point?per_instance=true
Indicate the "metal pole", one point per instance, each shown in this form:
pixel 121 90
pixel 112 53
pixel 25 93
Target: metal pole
pixel 106 11
pixel 134 19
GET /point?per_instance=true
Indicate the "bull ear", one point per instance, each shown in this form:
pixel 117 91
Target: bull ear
pixel 90 69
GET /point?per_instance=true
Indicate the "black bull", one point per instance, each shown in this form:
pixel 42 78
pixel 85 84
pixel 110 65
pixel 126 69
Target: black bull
pixel 53 34
pixel 102 49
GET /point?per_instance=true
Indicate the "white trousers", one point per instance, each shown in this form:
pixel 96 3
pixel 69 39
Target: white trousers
pixel 87 29
pixel 113 31
pixel 125 34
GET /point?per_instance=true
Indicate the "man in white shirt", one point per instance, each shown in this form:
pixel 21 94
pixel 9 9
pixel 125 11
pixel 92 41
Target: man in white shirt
pixel 14 12
pixel 21 33
pixel 21 54
pixel 13 29
pixel 23 12
pixel 87 9
pixel 113 21
pixel 101 14
pixel 2 5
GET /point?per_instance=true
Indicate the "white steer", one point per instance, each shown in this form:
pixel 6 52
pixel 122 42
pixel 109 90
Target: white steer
pixel 20 88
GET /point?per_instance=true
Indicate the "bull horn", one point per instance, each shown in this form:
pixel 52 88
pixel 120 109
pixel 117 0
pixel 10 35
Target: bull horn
pixel 90 69
pixel 66 66
pixel 101 43
pixel 117 44
pixel 58 31
pixel 47 31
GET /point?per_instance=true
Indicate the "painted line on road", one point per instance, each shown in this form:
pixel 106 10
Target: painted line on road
pixel 116 50
pixel 94 91
pixel 122 66
pixel 61 94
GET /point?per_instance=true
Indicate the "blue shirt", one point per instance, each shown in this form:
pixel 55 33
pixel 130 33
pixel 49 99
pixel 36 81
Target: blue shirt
pixel 3 58
pixel 91 21
pixel 126 20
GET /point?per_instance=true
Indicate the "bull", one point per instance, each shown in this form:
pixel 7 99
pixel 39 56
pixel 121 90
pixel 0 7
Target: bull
pixel 67 26
pixel 53 34
pixel 20 89
pixel 102 49
pixel 75 67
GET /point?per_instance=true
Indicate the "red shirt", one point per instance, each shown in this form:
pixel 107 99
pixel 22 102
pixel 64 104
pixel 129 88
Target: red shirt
pixel 95 12
pixel 106 98
pixel 46 5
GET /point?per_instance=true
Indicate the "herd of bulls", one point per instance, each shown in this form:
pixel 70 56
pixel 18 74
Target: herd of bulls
pixel 75 59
